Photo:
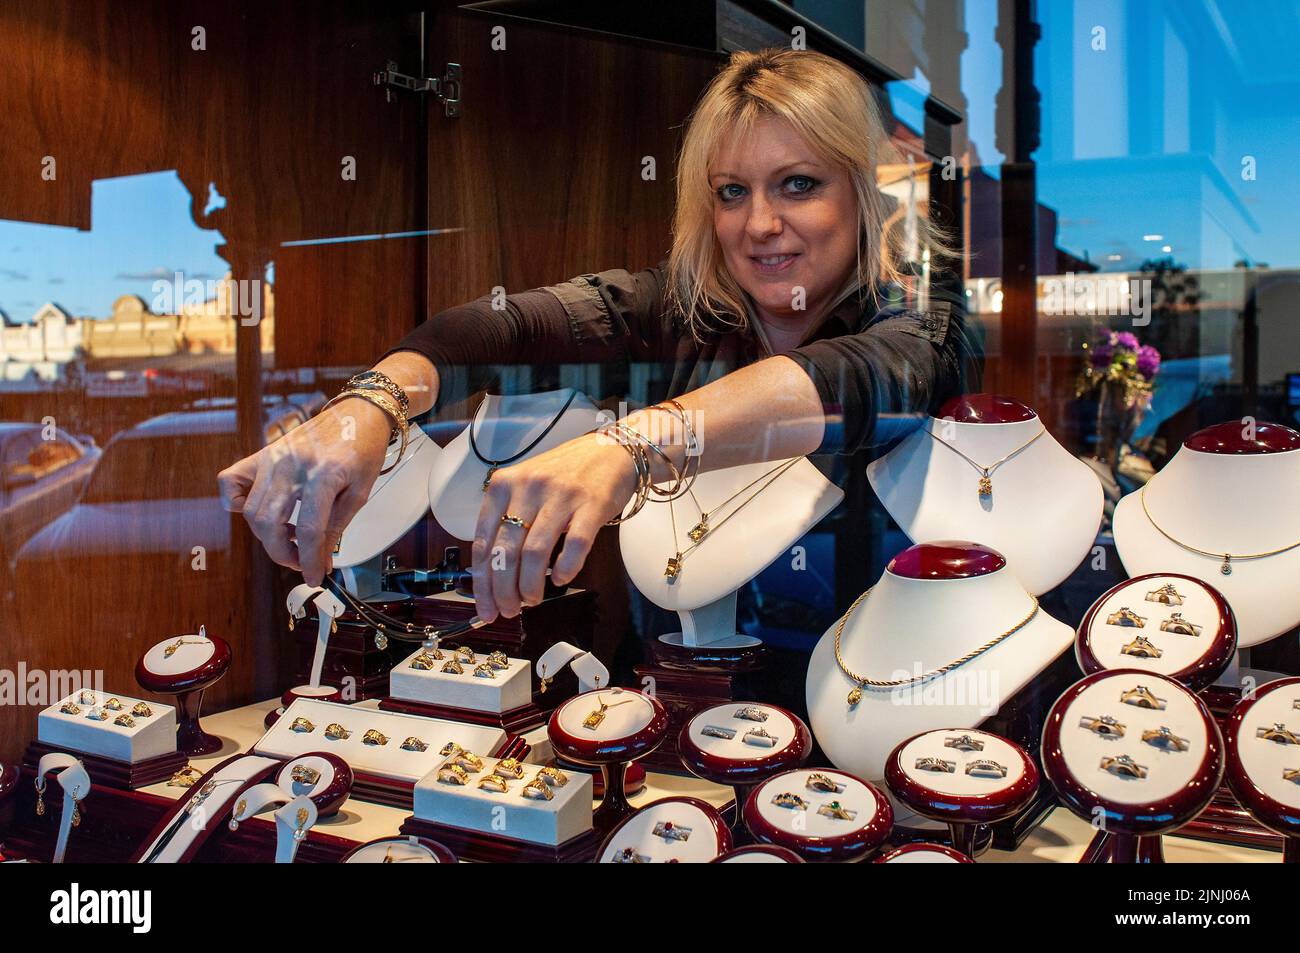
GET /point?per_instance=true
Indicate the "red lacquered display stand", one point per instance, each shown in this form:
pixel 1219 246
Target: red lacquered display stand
pixel 672 830
pixel 923 853
pixel 188 686
pixel 1262 737
pixel 808 831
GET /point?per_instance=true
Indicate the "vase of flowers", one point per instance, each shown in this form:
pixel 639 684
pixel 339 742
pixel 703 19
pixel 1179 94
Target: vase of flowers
pixel 1120 372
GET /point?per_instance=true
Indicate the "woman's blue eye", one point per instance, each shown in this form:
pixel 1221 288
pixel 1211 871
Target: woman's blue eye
pixel 729 196
pixel 802 183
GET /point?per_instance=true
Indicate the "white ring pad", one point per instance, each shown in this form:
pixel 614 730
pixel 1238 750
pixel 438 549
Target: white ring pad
pixel 510 689
pixel 638 833
pixel 730 554
pixel 1262 760
pixel 1180 651
pixel 959 783
pixel 736 749
pixel 620 721
pixel 284 780
pixel 388 761
pixel 856 796
pixel 1168 771
pixel 152 736
pixel 397 501
pixel 196 651
pixel 502 427
pixel 923 856
pixel 930 492
pixel 754 857
pixel 507 813
pixel 395 850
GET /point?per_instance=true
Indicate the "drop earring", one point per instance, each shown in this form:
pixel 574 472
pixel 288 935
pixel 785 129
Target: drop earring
pixel 76 808
pixel 40 797
pixel 545 681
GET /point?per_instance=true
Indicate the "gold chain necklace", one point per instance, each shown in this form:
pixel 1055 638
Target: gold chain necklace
pixel 986 472
pixel 701 529
pixel 1226 567
pixel 594 719
pixel 862 681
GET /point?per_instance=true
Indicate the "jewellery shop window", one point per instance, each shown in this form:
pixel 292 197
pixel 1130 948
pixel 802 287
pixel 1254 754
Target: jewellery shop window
pixel 801 431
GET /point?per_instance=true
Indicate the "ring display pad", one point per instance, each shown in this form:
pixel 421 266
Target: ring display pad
pixel 759 854
pixel 970 788
pixel 730 554
pixel 608 728
pixel 397 501
pixel 1182 618
pixel 503 426
pixel 400 850
pixel 1223 493
pixel 151 736
pixel 764 740
pixel 331 788
pixel 935 603
pixel 509 688
pixel 203 809
pixel 808 831
pixel 506 815
pixel 675 830
pixel 1108 753
pixel 922 853
pixel 932 493
pixel 385 773
pixel 186 666
pixel 1264 772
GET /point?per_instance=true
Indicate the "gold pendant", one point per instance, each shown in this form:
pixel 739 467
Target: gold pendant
pixel 40 803
pixel 290 621
pixel 986 486
pixel 593 720
pixel 1226 568
pixel 700 529
pixel 488 478
pixel 674 567
pixel 855 696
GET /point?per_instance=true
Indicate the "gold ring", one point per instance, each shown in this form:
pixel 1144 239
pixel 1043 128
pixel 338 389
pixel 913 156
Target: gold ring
pixel 465 654
pixel 113 705
pixel 1106 726
pixel 70 708
pixel 1142 697
pixel 1124 766
pixel 414 744
pixel 537 790
pixel 302 725
pixel 516 521
pixel 99 714
pixel 1166 594
pixel 821 782
pixel 141 710
pixel 1163 737
pixel 789 800
pixel 87 697
pixel 467 759
pixel 424 662
pixel 498 660
pixel 1141 647
pixel 510 768
pixel 336 732
pixel 453 774
pixel 453 667
pixel 553 776
pixel 1176 623
pixel 484 670
pixel 837 810
pixel 1126 617
pixel 304 774
pixel 374 737
pixel 125 720
pixel 1278 733
pixel 493 782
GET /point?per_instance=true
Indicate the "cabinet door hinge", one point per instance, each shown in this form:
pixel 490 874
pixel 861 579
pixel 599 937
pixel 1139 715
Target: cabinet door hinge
pixel 446 90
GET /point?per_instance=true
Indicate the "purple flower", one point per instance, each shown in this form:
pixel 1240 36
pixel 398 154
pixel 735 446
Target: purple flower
pixel 1148 361
pixel 1126 340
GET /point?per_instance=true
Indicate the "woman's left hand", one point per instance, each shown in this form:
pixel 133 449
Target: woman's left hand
pixel 571 491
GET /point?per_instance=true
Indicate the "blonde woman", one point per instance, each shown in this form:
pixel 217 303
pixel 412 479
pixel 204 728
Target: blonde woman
pixel 769 318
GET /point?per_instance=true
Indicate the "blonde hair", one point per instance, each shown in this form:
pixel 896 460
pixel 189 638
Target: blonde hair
pixel 834 110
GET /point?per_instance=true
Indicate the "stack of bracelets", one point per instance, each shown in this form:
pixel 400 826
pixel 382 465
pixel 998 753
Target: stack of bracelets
pixel 384 393
pixel 639 447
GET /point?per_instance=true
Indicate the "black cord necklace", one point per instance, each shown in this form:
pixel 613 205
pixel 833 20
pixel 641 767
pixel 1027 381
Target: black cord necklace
pixel 402 631
pixel 495 465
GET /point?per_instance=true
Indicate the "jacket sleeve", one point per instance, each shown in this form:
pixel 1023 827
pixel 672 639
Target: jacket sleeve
pixel 905 361
pixel 600 318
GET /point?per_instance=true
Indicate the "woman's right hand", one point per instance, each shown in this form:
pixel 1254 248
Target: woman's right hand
pixel 330 463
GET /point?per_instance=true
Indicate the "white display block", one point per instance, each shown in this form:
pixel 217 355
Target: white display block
pixel 507 814
pixel 511 689
pixel 151 737
pixel 389 760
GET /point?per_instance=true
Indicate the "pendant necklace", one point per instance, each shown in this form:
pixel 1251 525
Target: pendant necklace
pixel 701 529
pixel 1226 566
pixel 986 472
pixel 495 465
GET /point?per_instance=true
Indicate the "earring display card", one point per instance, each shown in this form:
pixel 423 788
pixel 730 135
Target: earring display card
pixel 388 759
pixel 820 814
pixel 1263 743
pixel 962 775
pixel 508 688
pixel 1162 622
pixel 677 830
pixel 1136 744
pixel 510 813
pixel 103 724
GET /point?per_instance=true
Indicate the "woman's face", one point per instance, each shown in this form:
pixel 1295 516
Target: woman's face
pixel 786 220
